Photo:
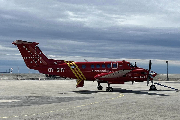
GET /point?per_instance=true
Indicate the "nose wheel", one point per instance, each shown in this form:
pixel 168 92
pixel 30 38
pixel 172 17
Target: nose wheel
pixel 152 88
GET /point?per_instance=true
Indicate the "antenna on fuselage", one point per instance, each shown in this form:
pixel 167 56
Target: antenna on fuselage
pixel 85 60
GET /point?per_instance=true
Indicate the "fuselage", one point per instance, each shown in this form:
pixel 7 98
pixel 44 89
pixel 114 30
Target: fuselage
pixel 91 70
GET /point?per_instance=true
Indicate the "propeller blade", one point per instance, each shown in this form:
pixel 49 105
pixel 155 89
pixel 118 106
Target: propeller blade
pixel 148 77
pixel 150 65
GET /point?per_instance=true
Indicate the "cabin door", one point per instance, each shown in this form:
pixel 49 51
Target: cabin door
pixel 114 65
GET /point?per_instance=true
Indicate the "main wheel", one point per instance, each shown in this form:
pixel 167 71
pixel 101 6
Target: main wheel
pixel 99 87
pixel 109 89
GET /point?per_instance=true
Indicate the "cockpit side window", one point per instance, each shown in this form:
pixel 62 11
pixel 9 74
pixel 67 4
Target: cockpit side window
pixel 131 65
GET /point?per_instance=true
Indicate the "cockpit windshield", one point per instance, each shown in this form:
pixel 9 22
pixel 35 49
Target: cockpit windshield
pixel 131 65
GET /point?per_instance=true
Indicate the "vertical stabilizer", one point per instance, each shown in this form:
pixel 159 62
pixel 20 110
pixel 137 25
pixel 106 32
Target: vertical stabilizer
pixel 31 53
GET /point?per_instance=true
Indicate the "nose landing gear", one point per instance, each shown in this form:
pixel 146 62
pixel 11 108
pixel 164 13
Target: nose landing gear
pixel 152 88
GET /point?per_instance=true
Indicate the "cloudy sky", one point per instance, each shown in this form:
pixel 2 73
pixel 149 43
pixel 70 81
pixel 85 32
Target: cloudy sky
pixel 134 30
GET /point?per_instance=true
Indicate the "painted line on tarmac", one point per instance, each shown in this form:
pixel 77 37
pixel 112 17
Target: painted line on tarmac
pixel 52 111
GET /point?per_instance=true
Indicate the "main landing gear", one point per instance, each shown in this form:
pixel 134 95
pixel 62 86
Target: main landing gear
pixel 99 87
pixel 108 89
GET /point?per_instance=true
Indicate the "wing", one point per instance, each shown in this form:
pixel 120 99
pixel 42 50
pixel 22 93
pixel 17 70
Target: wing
pixel 112 75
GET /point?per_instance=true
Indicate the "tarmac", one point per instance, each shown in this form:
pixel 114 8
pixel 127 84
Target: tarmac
pixel 37 76
pixel 61 100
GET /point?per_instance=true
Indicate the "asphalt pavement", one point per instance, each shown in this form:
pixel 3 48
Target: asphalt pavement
pixel 61 100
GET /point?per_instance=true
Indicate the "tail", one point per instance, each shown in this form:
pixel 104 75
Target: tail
pixel 31 53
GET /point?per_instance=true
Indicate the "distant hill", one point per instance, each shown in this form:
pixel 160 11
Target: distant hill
pixel 26 76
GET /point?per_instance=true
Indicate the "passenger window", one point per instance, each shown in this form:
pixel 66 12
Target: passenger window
pixel 103 66
pixel 109 66
pixel 92 66
pixel 83 66
pixel 97 66
pixel 73 66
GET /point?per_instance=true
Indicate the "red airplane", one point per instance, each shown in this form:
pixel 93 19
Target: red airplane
pixel 109 72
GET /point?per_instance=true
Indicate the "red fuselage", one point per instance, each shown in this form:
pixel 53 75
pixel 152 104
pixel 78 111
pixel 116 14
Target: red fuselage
pixel 91 70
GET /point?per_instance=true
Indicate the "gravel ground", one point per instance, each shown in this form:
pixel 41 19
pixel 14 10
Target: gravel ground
pixel 59 99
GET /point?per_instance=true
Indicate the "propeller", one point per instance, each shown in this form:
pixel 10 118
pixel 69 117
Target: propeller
pixel 149 75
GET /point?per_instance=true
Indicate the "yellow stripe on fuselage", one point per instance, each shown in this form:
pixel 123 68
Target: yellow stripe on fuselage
pixel 77 72
pixel 71 69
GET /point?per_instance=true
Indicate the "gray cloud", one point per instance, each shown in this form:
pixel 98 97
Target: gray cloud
pixel 109 29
